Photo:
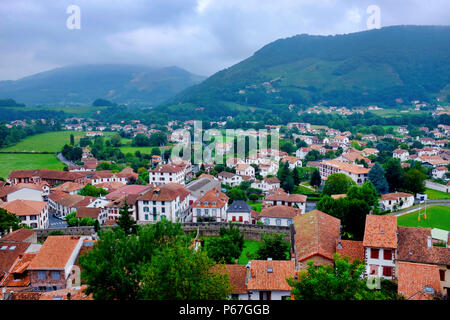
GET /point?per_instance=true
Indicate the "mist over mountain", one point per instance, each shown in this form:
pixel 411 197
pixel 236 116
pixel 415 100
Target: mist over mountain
pixel 82 84
pixel 375 66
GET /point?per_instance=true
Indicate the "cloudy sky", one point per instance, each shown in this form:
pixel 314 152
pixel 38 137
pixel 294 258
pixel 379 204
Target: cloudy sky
pixel 202 36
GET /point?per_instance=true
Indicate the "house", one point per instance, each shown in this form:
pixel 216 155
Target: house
pixel 302 152
pixel 439 172
pixel 315 235
pixel 396 201
pixel 245 170
pixel 293 161
pixel 359 174
pixel 229 178
pixel 25 191
pixel 283 198
pixel 52 177
pixel 126 194
pixel 351 157
pixel 20 235
pixel 415 245
pixel 74 294
pixel 239 211
pixel 370 151
pixel 168 201
pixel 93 213
pixel 69 187
pixel 106 176
pixel 52 268
pixel 401 154
pixel 341 139
pixel 62 204
pixel 32 213
pixel 201 186
pixel 167 173
pixel 212 206
pixel 266 279
pixel 380 246
pixel 10 253
pixel 278 215
pixel 266 184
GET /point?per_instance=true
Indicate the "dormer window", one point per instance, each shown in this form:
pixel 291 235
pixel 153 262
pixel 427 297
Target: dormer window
pixel 206 203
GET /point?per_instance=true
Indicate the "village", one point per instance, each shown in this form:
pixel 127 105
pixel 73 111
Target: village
pixel 261 191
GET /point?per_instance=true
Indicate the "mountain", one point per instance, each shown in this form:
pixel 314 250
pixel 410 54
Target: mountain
pixel 375 66
pixel 122 84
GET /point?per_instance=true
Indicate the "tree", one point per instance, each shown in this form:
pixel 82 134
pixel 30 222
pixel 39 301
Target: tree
pixel 140 140
pixel 8 220
pixel 341 281
pixel 296 176
pixel 415 181
pixel 315 180
pixel 116 140
pixel 227 247
pixel 156 263
pixel 394 174
pixel 274 246
pixel 377 177
pixel 92 191
pixel 157 139
pixel 125 222
pixel 72 139
pixel 337 183
pixel 236 193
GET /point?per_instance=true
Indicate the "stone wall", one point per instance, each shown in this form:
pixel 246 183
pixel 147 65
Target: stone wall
pixel 72 231
pixel 251 231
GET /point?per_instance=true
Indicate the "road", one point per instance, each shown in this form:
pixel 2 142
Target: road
pixel 65 161
pixel 55 222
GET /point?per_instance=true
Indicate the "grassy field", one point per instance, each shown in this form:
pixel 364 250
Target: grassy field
pixel 45 142
pixel 128 149
pixel 437 217
pixel 435 194
pixel 250 246
pixel 10 162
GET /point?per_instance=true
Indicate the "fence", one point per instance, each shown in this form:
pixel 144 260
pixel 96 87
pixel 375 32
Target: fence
pixel 72 231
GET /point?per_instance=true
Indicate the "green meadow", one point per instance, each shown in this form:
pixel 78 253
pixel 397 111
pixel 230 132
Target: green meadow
pixel 16 161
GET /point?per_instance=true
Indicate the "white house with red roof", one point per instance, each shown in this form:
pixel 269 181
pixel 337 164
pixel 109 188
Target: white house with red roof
pixel 397 200
pixel 279 215
pixel 32 213
pixel 167 173
pixel 25 191
pixel 244 169
pixel 380 246
pixel 212 206
pixel 439 172
pixel 401 154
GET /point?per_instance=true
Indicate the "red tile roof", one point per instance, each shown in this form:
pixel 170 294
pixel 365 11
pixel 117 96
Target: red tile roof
pixel 24 207
pixel 395 195
pixel 88 212
pixel 280 212
pixel 316 233
pixel 18 235
pixel 55 253
pixel 413 277
pixel 262 279
pixel 352 249
pixel 166 192
pixel 237 274
pixel 212 196
pixel 380 232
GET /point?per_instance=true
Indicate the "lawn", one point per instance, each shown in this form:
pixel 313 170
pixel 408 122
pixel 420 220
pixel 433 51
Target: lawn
pixel 435 194
pixel 10 162
pixel 44 142
pixel 249 246
pixel 255 205
pixel 128 149
pixel 437 217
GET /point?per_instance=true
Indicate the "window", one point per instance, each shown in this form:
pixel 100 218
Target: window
pixel 387 271
pixel 146 209
pixel 442 274
pixel 387 254
pixel 289 222
pixel 146 217
pixel 266 221
pixel 42 275
pixel 234 218
pixel 374 253
pixel 56 275
pixel 278 221
pixel 241 218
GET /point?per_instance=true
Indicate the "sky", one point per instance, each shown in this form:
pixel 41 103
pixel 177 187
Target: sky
pixel 201 36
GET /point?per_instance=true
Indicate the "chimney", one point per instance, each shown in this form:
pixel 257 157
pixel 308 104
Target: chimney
pixel 249 273
pixel 429 244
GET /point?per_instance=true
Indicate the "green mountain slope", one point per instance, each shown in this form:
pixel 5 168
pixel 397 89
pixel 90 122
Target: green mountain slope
pixel 127 84
pixel 376 66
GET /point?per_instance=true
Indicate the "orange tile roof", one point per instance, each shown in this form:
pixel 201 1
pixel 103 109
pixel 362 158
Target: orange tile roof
pixel 24 207
pixel 346 167
pixel 166 192
pixel 55 253
pixel 380 232
pixel 261 279
pixel 75 294
pixel 352 249
pixel 286 197
pixel 237 274
pixel 219 198
pixel 413 277
pixel 395 195
pixel 315 234
pixel 68 186
pixel 88 212
pixel 19 235
pixel 280 212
